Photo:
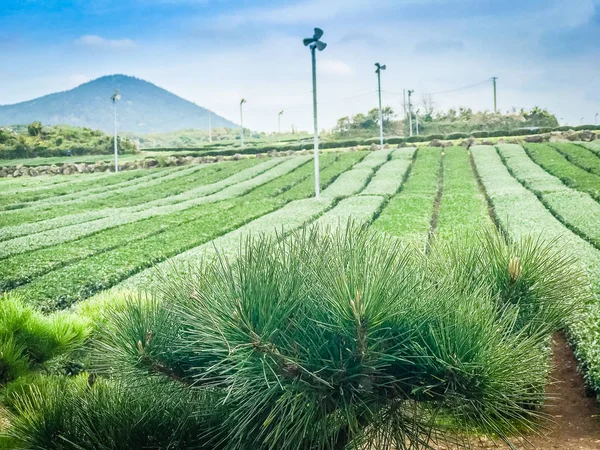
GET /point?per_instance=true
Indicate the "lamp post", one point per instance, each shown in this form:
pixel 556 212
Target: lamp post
pixel 315 44
pixel 242 101
pixel 116 96
pixel 410 131
pixel 279 124
pixel 378 72
pixel 417 117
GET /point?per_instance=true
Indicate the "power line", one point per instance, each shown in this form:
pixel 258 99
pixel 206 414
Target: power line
pixel 462 88
pixel 459 89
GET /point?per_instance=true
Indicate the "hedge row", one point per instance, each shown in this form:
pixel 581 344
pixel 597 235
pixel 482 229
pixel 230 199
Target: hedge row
pixel 43 152
pixel 308 145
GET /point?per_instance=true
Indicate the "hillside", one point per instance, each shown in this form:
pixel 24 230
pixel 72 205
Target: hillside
pixel 144 107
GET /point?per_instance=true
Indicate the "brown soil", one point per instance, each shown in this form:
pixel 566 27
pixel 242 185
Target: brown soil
pixel 574 422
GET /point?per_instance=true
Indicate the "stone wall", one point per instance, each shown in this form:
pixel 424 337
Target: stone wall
pixel 101 166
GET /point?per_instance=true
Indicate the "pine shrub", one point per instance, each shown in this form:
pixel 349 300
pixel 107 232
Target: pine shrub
pixel 323 340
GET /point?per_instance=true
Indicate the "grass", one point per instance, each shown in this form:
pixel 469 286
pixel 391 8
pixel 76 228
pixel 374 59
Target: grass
pixel 580 156
pixel 142 244
pixel 519 213
pixel 28 339
pixel 408 214
pixel 556 164
pixel 389 178
pixel 293 215
pixel 576 210
pixel 360 208
pixel 138 192
pixel 221 190
pixel 19 197
pixel 321 340
pixel 462 207
pixel 594 146
pixel 60 160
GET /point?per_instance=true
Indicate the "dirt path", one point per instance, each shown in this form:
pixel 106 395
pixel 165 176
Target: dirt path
pixel 575 418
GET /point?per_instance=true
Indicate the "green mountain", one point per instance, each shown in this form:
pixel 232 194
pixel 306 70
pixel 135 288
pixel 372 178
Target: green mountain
pixel 143 108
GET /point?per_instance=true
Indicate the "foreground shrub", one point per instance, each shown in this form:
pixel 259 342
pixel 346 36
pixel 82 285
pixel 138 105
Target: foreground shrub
pixel 28 338
pixel 318 341
pixel 534 274
pixel 107 415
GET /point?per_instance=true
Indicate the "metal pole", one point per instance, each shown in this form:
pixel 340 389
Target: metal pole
pixel 596 119
pixel 380 111
pixel 209 128
pixel 279 125
pixel 494 80
pixel 115 138
pixel 242 123
pixel 314 80
pixel 410 131
pixel 417 117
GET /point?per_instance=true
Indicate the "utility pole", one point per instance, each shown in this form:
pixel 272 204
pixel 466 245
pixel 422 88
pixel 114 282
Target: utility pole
pixel 378 72
pixel 116 96
pixel 279 125
pixel 410 131
pixel 209 128
pixel 494 81
pixel 417 117
pixel 242 101
pixel 316 127
pixel 404 103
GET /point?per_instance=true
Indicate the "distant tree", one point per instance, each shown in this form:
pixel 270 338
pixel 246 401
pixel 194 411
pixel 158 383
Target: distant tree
pixel 539 117
pixel 428 107
pixel 34 128
pixel 388 115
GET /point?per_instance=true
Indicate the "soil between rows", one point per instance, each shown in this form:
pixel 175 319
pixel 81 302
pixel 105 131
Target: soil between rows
pixel 574 417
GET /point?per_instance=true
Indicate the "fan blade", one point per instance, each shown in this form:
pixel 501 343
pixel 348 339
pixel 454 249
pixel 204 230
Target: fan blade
pixel 318 34
pixel 377 65
pixel 308 41
pixel 383 67
pixel 321 45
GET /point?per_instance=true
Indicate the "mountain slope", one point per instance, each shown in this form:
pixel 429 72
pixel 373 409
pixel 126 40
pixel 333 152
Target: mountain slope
pixel 143 108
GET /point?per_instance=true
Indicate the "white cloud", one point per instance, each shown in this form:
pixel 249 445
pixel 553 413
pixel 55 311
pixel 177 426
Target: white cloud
pixel 94 41
pixel 334 67
pixel 308 12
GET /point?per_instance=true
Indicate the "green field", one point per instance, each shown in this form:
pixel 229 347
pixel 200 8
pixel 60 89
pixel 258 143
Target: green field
pixel 71 243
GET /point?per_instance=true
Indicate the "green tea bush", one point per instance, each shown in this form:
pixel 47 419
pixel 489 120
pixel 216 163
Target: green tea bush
pixel 321 340
pixel 28 338
pixel 453 136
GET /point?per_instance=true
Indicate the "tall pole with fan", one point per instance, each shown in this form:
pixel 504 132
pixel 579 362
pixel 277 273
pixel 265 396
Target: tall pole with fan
pixel 242 101
pixel 279 124
pixel 378 72
pixel 116 96
pixel 315 44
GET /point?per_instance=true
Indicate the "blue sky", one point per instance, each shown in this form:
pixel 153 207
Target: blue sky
pixel 213 52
